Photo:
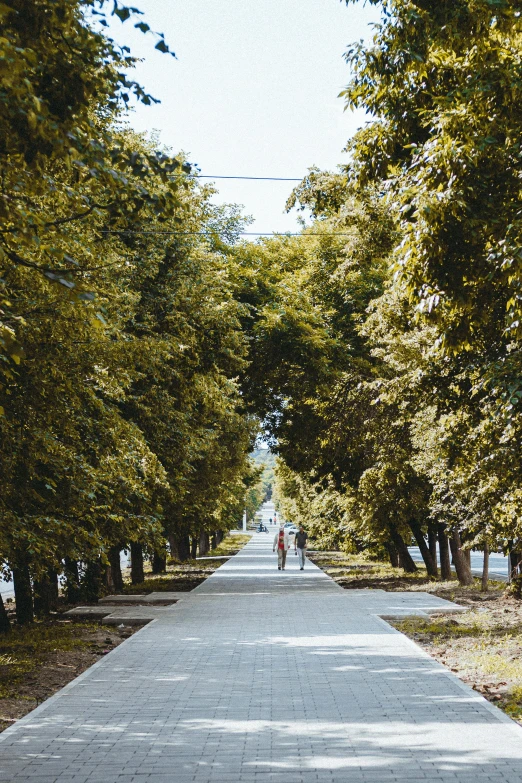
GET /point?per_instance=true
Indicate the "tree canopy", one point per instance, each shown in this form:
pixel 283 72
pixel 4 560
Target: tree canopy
pixel 415 422
pixel 122 419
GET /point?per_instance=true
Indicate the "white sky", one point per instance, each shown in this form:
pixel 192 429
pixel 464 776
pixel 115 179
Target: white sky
pixel 253 91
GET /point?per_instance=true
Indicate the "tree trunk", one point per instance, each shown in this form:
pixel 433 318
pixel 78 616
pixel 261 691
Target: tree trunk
pixel 23 594
pixel 53 589
pixel 445 563
pixel 432 542
pixel 203 543
pixel 137 573
pixel 392 554
pixel 193 547
pixel 159 562
pixel 46 593
pixel 5 624
pixel 464 574
pixel 173 547
pixel 183 546
pixel 485 569
pixel 92 581
pixel 467 555
pixel 107 579
pixel 406 559
pixel 429 562
pixel 72 581
pixel 219 537
pixel 115 568
pixel 214 541
pixel 511 565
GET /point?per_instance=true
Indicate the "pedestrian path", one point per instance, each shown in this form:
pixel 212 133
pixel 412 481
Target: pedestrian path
pixel 262 676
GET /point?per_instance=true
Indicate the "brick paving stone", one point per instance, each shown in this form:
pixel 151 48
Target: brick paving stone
pixel 263 676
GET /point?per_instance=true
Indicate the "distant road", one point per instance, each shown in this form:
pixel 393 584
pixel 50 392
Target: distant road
pixel 267 512
pixel 498 563
pixel 6 589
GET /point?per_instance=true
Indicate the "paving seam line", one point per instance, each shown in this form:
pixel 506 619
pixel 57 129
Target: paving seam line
pixel 66 688
pixel 468 690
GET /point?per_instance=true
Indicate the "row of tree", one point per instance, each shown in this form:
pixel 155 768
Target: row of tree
pixel 388 343
pixel 140 341
pixel 121 337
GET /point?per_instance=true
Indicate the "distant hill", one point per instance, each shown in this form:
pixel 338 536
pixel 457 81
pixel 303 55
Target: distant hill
pixel 264 457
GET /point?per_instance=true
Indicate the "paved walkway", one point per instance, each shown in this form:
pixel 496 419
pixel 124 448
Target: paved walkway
pixel 260 676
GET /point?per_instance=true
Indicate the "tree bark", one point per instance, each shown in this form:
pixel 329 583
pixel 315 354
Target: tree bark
pixel 23 594
pixel 72 581
pixel 5 624
pixel 203 543
pixel 392 554
pixel 137 573
pixel 511 566
pixel 173 547
pixel 53 589
pixel 107 579
pixel 92 581
pixel 193 547
pixel 432 542
pixel 485 569
pixel 183 547
pixel 46 593
pixel 41 604
pixel 429 562
pixel 159 562
pixel 406 559
pixel 464 574
pixel 219 537
pixel 214 540
pixel 510 563
pixel 115 568
pixel 445 562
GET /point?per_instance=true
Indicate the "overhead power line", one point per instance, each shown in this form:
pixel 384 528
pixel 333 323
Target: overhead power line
pixel 239 233
pixel 230 176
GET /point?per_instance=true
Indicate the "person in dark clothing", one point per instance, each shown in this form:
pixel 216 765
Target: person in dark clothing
pixel 300 544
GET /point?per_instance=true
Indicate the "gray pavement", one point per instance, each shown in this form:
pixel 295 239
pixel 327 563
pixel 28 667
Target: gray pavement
pixel 261 676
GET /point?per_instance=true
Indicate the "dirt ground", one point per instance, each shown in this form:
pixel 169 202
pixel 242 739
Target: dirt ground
pixel 39 659
pixel 483 646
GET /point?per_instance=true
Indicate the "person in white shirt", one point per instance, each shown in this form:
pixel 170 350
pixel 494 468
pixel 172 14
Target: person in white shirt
pixel 282 544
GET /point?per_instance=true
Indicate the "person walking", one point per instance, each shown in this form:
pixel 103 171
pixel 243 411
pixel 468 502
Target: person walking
pixel 300 544
pixel 282 544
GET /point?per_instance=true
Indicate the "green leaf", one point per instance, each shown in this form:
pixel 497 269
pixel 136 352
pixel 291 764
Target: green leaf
pixel 122 13
pixel 162 46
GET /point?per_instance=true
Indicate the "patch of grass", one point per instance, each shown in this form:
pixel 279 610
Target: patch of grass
pixel 440 628
pixel 484 647
pixel 23 649
pixel 359 572
pixel 513 703
pixel 40 638
pixel 230 545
